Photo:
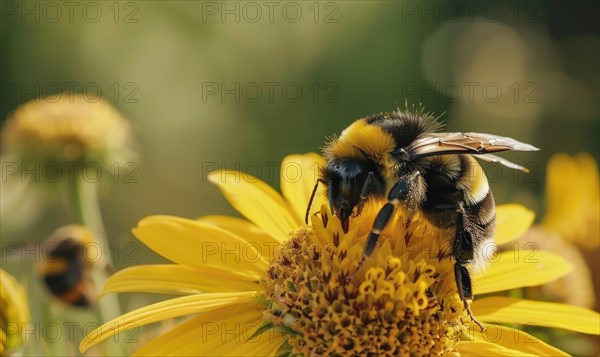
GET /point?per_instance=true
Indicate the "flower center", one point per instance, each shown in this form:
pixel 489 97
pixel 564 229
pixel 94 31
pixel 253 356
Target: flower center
pixel 401 300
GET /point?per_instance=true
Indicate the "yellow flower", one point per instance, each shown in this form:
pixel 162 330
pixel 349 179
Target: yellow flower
pixel 70 139
pixel 14 313
pixel 573 199
pixel 576 287
pixel 572 220
pixel 271 285
pixel 66 127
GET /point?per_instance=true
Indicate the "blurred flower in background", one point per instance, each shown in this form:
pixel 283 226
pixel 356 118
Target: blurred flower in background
pixel 570 226
pixel 573 199
pixel 52 143
pixel 14 314
pixel 55 150
pixel 68 127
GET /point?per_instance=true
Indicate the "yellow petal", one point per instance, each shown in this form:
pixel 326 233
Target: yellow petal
pixel 298 176
pixel 176 279
pixel 257 201
pixel 192 243
pixel 212 333
pixel 575 288
pixel 265 243
pixel 520 268
pixel 573 210
pixel 513 339
pixel 512 220
pixel 563 198
pixel 528 312
pixel 487 349
pixel 14 311
pixel 163 310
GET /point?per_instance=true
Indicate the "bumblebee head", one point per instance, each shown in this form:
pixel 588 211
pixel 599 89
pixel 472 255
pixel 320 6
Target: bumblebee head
pixel 350 182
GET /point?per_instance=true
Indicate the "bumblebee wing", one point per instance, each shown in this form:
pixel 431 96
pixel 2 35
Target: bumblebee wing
pixel 464 143
pixel 501 160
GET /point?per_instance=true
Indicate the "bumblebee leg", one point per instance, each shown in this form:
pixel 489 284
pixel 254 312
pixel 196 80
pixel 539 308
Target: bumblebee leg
pixel 462 250
pixel 463 282
pixel 312 197
pixel 397 194
pixel 382 219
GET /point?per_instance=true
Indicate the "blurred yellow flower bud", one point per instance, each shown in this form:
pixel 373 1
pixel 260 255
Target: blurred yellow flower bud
pixel 15 313
pixel 63 140
pixel 571 226
pixel 573 199
pixel 66 127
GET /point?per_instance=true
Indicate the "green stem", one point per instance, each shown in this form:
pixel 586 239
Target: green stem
pixel 87 210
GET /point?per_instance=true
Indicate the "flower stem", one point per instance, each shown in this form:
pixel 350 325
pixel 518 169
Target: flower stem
pixel 87 211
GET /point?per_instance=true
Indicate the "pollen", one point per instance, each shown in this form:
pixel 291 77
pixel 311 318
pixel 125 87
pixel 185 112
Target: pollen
pixel 401 300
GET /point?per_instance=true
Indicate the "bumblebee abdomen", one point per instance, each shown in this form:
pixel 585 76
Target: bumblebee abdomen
pixel 455 181
pixel 472 180
pixel 484 215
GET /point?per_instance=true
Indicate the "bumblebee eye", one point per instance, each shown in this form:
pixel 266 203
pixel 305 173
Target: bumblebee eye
pixel 346 186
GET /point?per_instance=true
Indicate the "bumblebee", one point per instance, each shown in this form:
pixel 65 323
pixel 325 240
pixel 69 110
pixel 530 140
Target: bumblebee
pixel 402 157
pixel 64 268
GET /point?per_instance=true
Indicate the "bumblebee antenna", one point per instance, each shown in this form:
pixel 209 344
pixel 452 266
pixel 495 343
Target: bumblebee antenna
pixel 312 196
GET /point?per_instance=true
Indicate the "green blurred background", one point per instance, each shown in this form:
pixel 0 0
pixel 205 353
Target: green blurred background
pixel 522 69
pixel 242 84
